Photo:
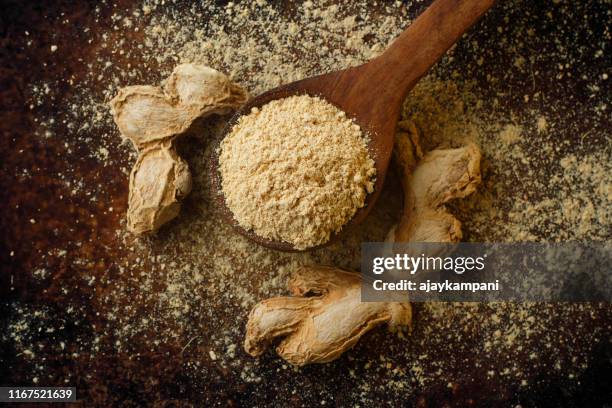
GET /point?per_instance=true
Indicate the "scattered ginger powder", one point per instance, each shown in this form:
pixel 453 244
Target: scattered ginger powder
pixel 295 170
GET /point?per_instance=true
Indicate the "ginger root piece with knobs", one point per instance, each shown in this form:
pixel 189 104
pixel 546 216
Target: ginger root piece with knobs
pixel 324 317
pixel 159 180
pixel 430 181
pixel 149 114
pixel 152 118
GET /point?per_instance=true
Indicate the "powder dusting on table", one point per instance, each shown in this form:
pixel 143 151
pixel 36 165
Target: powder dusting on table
pixel 184 295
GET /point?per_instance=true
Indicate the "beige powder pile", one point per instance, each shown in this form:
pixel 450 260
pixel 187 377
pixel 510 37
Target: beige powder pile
pixel 295 170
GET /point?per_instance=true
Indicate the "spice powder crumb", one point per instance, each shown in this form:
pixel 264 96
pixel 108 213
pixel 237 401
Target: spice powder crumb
pixel 295 170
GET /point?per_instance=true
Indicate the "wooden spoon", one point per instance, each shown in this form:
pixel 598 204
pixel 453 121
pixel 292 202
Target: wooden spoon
pixel 372 94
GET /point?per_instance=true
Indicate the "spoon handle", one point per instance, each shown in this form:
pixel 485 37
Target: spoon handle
pixel 422 44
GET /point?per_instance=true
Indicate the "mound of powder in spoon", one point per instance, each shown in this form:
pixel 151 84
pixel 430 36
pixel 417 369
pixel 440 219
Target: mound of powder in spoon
pixel 295 170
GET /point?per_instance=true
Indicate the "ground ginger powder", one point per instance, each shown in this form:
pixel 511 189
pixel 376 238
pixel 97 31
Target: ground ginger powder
pixel 295 170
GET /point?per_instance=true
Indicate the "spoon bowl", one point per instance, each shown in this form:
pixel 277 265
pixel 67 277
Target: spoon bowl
pixel 291 89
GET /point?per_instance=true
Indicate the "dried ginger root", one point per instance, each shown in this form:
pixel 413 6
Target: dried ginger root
pixel 148 114
pixel 159 180
pixel 429 181
pixel 325 317
pixel 152 117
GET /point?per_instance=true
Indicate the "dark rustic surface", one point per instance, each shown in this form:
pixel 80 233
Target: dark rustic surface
pixel 157 378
